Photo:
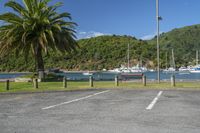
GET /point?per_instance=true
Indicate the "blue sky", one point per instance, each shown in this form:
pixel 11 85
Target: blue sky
pixel 128 17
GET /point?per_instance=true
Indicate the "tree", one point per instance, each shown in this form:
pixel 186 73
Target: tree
pixel 35 28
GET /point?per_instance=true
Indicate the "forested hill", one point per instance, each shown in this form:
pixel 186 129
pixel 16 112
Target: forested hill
pixel 107 52
pixel 103 52
pixel 185 41
pixel 111 51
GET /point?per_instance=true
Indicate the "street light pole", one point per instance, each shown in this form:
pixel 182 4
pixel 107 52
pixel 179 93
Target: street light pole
pixel 158 48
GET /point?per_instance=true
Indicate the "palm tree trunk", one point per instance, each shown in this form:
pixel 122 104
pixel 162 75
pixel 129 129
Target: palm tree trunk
pixel 40 63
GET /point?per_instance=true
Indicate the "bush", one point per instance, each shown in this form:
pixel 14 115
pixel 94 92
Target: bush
pixel 52 77
pixel 49 77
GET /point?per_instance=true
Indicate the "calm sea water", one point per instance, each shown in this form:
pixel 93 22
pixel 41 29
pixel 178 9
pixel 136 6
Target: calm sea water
pixel 11 75
pixel 111 76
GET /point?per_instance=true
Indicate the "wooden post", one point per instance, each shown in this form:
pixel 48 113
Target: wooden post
pixel 64 82
pixel 7 85
pixel 116 81
pixel 144 79
pixel 173 81
pixel 91 81
pixel 35 82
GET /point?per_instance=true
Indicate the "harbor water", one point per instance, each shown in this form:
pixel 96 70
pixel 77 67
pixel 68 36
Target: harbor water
pixel 152 76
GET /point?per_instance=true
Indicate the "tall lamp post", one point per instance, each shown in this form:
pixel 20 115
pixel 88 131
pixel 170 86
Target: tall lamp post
pixel 158 18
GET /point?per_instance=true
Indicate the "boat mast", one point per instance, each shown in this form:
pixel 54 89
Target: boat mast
pixel 128 56
pixel 166 61
pixel 173 59
pixel 140 65
pixel 197 57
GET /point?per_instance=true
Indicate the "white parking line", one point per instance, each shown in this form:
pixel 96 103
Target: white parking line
pixel 154 101
pixel 75 100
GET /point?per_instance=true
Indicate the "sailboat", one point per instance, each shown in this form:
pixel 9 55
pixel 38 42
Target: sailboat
pixel 123 68
pixel 184 70
pixel 133 69
pixel 172 68
pixel 196 68
pixel 128 69
pixel 87 73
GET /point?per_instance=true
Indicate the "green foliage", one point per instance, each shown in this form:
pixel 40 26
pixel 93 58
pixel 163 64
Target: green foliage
pixel 31 75
pixel 185 41
pixel 94 54
pixel 49 77
pixel 111 51
pixel 33 28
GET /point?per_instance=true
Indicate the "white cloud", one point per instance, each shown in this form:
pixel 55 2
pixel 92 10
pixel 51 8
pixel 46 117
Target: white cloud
pixel 83 34
pixel 95 34
pixel 148 37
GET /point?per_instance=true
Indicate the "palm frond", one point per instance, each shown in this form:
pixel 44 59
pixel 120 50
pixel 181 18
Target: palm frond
pixel 17 7
pixel 28 4
pixel 36 27
pixel 11 18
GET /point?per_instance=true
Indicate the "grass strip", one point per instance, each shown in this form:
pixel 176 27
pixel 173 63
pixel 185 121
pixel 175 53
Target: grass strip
pixel 73 85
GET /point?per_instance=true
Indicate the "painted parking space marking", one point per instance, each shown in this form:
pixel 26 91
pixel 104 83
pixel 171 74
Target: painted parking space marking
pixel 151 105
pixel 75 100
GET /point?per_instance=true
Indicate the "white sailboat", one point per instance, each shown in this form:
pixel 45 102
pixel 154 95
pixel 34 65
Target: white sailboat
pixel 196 68
pixel 128 69
pixel 133 69
pixel 172 68
pixel 184 70
pixel 88 73
pixel 123 69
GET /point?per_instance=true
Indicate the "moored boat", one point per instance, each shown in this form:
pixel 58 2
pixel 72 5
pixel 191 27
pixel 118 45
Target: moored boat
pixel 87 73
pixel 195 69
pixel 184 70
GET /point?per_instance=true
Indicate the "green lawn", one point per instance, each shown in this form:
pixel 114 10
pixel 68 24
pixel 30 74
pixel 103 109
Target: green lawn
pixel 58 86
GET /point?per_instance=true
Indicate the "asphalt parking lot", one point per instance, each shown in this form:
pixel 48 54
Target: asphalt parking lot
pixel 101 111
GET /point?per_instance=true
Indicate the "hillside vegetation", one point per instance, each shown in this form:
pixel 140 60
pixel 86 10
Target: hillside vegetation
pixel 107 52
pixel 104 52
pixel 185 41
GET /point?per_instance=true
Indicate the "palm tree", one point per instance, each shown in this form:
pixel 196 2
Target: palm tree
pixel 35 27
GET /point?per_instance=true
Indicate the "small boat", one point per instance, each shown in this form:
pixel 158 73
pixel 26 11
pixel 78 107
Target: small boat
pixel 195 69
pixel 137 68
pixel 183 70
pixel 87 73
pixel 116 70
pixel 169 70
pixel 151 70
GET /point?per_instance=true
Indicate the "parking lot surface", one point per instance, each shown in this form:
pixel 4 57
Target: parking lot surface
pixel 101 111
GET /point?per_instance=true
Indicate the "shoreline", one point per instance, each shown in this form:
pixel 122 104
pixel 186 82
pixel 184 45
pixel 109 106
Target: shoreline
pixel 133 81
pixel 13 72
pixel 102 76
